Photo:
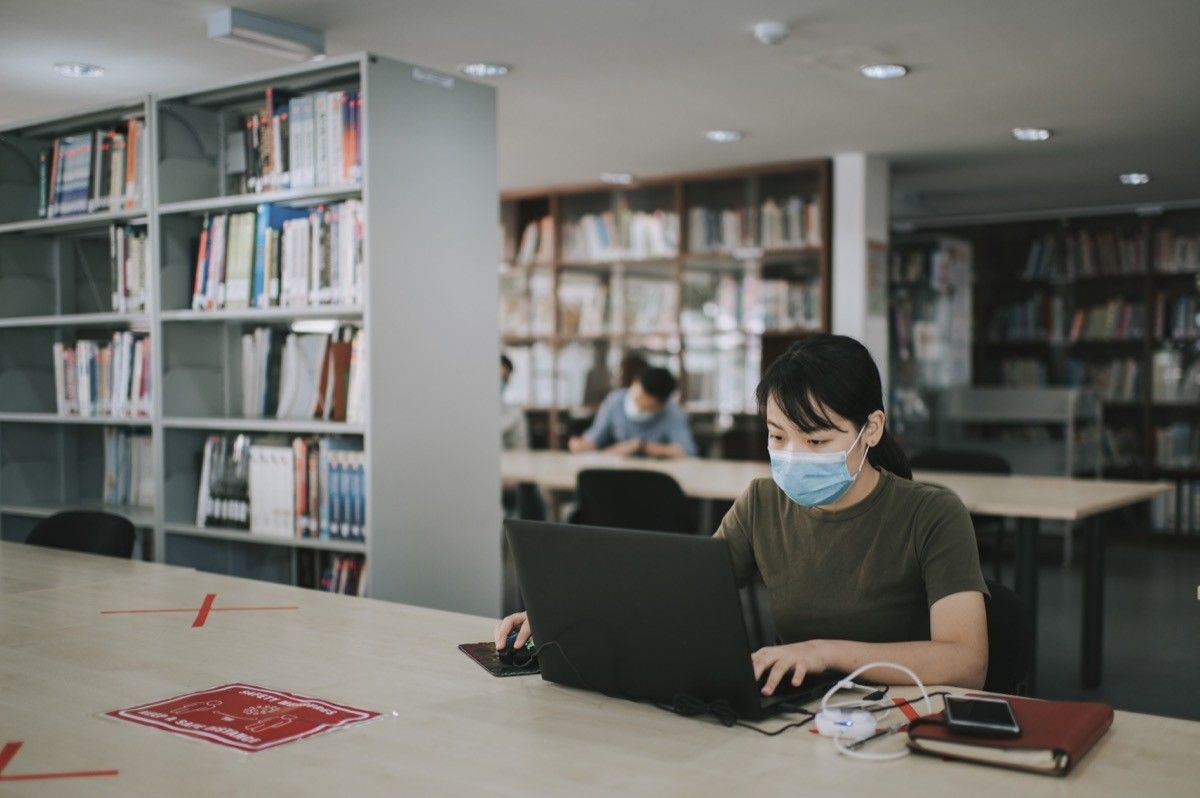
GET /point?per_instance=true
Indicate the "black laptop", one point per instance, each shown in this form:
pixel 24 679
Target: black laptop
pixel 641 615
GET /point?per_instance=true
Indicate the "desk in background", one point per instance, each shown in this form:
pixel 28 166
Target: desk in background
pixel 1028 499
pixel 448 728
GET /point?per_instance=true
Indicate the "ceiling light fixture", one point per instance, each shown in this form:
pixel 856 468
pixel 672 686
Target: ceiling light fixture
pixel 883 71
pixel 617 178
pixel 724 136
pixel 265 34
pixel 1135 179
pixel 75 69
pixel 771 32
pixel 1031 133
pixel 485 70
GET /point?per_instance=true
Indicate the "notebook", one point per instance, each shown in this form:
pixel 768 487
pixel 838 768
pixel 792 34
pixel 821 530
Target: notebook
pixel 1055 735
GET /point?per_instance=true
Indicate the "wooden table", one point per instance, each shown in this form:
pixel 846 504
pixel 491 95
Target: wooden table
pixel 1026 498
pixel 447 728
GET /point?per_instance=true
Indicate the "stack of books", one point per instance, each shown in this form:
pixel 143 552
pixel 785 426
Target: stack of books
pixel 1175 253
pixel 100 170
pixel 345 574
pixel 794 223
pixel 620 235
pixel 713 230
pixel 1116 319
pixel 103 378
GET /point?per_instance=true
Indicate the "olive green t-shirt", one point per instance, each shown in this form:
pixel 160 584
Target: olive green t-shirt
pixel 868 573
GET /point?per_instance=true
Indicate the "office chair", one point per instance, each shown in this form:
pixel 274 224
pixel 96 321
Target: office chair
pixel 630 499
pixel 974 462
pixel 85 531
pixel 1010 642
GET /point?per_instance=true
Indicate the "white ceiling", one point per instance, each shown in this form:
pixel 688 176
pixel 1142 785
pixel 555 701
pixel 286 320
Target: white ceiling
pixel 629 85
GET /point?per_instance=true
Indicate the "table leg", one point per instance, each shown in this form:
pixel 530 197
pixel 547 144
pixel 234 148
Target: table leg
pixel 1026 583
pixel 1092 650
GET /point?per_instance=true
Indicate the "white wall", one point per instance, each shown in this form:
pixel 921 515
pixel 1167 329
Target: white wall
pixel 861 188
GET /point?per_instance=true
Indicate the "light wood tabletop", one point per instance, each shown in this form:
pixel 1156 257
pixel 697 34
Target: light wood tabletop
pixel 447 728
pixel 1015 496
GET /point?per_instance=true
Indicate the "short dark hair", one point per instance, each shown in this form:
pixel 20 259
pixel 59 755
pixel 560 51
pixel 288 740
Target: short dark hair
pixel 659 383
pixel 632 366
pixel 506 363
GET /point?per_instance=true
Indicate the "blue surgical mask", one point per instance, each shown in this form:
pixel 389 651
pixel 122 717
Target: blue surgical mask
pixel 812 479
pixel 635 413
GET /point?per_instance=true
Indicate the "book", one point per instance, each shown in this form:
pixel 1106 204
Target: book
pixel 300 141
pixel 128 468
pixel 103 378
pixel 223 496
pixel 1055 736
pixel 271 490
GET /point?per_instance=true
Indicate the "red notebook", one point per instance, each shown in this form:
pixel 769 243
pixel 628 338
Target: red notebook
pixel 1055 735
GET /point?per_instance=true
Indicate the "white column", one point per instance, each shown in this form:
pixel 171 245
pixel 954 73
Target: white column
pixel 861 188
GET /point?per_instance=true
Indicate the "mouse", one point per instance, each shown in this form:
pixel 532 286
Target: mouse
pixel 509 654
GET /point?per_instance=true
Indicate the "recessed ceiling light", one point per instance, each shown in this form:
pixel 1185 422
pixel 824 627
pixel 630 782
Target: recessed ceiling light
pixel 484 70
pixel 883 71
pixel 724 136
pixel 1135 178
pixel 75 69
pixel 1030 133
pixel 617 178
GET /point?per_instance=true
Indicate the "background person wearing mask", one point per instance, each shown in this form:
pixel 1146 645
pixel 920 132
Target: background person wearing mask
pixel 642 419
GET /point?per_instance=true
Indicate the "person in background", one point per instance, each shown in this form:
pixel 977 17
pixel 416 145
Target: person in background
pixel 632 366
pixel 514 430
pixel 640 419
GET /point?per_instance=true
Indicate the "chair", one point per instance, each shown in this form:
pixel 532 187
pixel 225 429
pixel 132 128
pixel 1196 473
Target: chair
pixel 85 531
pixel 630 499
pixel 1010 642
pixel 974 462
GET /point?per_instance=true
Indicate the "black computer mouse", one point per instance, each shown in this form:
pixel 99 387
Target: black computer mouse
pixel 510 654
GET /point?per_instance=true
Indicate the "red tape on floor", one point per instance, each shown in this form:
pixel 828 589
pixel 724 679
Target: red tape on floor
pixel 202 612
pixel 10 750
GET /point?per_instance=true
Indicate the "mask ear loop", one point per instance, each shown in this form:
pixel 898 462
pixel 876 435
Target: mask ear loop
pixel 867 450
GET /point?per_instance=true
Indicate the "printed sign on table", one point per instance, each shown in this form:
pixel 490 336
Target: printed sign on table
pixel 245 717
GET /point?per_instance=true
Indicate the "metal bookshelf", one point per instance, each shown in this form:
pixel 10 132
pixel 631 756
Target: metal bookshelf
pixel 428 186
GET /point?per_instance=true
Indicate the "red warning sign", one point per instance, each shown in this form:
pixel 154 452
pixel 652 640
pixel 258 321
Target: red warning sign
pixel 244 716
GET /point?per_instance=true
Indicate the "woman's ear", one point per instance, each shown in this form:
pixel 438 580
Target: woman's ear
pixel 875 425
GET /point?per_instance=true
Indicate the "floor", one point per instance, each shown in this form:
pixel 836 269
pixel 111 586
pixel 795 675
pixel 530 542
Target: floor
pixel 1151 630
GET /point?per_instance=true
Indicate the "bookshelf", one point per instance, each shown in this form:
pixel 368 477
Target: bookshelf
pixel 710 275
pixel 422 146
pixel 1106 302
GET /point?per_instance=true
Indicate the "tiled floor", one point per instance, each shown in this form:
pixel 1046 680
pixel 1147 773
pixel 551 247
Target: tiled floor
pixel 1151 630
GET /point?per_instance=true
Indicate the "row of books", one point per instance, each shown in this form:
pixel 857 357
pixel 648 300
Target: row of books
pixel 279 256
pixel 794 223
pixel 128 468
pixel 1176 252
pixel 305 488
pixel 719 230
pixel 582 305
pixel 1038 317
pixel 790 304
pixel 1116 318
pixel 1177 445
pixel 722 379
pixel 345 574
pixel 99 170
pixel 1023 372
pixel 647 305
pixel 1177 317
pixel 129 267
pixel 623 234
pixel 1118 380
pixel 1178 512
pixel 1066 256
pixel 712 302
pixel 532 381
pixel 103 378
pixel 537 242
pixel 304 375
pixel 527 303
pixel 1171 380
pixel 299 141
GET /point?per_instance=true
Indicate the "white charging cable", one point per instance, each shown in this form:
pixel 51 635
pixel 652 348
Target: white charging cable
pixel 838 721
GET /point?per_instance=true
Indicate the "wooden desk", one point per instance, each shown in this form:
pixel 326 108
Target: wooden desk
pixel 1028 499
pixel 448 728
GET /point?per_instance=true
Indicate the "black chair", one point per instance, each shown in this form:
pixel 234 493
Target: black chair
pixel 1010 642
pixel 630 499
pixel 85 531
pixel 973 462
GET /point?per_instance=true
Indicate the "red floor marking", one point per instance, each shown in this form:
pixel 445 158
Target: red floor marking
pixel 206 606
pixel 10 750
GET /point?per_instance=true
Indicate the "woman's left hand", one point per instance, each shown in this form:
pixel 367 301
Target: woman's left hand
pixel 798 658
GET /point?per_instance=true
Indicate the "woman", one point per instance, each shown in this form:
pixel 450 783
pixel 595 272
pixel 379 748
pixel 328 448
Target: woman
pixel 861 563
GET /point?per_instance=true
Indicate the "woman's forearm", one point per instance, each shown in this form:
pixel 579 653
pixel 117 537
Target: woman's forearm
pixel 935 662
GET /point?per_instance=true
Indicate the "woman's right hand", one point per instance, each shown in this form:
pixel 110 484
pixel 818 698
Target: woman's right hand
pixel 518 620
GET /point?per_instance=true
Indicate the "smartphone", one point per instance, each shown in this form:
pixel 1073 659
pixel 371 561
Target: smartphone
pixel 989 716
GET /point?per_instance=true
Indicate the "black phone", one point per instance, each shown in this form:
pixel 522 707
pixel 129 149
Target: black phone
pixel 987 716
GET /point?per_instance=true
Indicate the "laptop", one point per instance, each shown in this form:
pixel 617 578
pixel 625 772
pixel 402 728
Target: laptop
pixel 642 615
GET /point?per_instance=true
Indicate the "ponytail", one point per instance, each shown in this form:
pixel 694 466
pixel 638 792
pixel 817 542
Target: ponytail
pixel 888 455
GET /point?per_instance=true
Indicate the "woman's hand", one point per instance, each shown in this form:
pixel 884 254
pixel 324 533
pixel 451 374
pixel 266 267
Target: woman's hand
pixel 517 619
pixel 799 658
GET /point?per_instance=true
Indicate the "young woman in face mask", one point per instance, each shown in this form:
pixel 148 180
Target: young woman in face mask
pixel 861 563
